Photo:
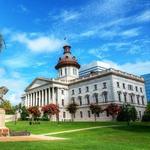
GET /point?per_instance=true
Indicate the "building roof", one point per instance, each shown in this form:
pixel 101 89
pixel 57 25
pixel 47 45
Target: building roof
pixel 67 59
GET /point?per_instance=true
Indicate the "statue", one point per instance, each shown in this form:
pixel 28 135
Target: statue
pixel 3 130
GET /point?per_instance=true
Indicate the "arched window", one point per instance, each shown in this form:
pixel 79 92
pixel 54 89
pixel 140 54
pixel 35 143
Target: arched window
pixel 80 100
pixel 105 96
pixel 95 97
pixel 87 98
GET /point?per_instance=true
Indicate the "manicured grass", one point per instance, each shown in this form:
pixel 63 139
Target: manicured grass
pixel 133 137
pixel 46 126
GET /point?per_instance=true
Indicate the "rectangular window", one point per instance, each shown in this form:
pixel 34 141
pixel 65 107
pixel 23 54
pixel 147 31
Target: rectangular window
pixel 89 113
pixel 118 85
pixel 123 85
pixel 79 90
pixel 81 114
pixel 88 100
pixel 65 71
pixel 62 92
pixel 125 97
pixel 141 90
pixel 104 85
pixel 87 89
pixel 131 97
pixel 80 99
pixel 62 102
pixel 95 87
pixel 136 89
pixel 138 99
pixel 72 92
pixel 119 97
pixel 64 114
pixel 142 100
pixel 130 87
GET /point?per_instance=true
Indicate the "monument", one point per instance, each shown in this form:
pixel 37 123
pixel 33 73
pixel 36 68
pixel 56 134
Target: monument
pixel 4 131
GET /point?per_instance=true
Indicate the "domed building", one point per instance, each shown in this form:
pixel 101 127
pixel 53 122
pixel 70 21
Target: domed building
pixel 95 85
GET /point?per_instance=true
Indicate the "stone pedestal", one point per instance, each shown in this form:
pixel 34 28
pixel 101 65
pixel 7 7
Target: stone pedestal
pixel 3 130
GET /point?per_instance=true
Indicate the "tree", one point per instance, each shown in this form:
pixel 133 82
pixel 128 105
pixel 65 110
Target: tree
pixel 72 108
pixel 24 113
pixel 2 42
pixel 51 109
pixel 8 107
pixel 128 113
pixel 34 111
pixel 146 116
pixel 113 110
pixel 95 109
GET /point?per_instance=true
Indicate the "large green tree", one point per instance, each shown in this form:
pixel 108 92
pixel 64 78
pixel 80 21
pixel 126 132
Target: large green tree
pixel 127 113
pixel 146 116
pixel 9 109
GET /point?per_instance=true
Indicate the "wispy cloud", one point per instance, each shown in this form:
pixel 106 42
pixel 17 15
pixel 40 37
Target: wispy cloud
pixel 22 8
pixel 38 43
pixel 66 15
pixel 144 16
pixel 138 68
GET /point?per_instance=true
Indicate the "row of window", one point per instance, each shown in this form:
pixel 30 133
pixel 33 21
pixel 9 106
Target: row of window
pixel 130 87
pixel 81 114
pixel 74 71
pixel 132 97
pixel 87 88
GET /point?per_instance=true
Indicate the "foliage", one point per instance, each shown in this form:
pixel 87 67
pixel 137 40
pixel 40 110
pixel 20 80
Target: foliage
pixel 51 109
pixel 72 108
pixel 24 113
pixel 45 117
pixel 2 43
pixel 128 113
pixel 146 116
pixel 113 110
pixel 9 109
pixel 34 111
pixel 95 109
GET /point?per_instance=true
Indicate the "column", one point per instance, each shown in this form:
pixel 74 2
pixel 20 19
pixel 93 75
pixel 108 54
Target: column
pixel 26 102
pixel 53 95
pixel 39 98
pixel 45 96
pixel 42 98
pixel 49 95
pixel 34 98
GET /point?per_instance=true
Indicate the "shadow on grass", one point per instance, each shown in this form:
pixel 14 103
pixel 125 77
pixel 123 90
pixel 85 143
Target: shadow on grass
pixel 135 127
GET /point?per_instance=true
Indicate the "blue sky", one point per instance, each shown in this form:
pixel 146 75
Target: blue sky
pixel 114 32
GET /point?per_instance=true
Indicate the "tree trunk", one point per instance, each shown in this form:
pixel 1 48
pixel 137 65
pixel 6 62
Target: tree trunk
pixel 72 117
pixel 50 117
pixel 95 117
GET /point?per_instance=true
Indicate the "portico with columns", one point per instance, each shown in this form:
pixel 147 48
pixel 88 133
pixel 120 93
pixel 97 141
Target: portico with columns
pixel 104 87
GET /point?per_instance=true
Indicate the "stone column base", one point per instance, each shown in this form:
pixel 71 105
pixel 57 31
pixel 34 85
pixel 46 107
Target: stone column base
pixel 4 131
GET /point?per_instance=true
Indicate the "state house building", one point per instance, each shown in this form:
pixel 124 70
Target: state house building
pixel 103 87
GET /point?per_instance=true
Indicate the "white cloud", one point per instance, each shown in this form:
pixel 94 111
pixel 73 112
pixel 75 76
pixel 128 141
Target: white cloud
pixel 39 43
pixel 66 15
pixel 137 68
pixel 131 32
pixel 2 71
pixel 22 8
pixel 145 16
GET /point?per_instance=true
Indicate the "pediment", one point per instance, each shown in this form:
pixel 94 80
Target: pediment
pixel 37 83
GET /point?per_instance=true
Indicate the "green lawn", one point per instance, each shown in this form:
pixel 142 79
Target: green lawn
pixel 134 137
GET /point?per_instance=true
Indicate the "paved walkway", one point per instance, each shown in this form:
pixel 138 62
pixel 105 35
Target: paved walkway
pixel 82 129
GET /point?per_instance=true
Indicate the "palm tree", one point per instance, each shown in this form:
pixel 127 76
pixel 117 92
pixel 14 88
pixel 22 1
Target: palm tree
pixel 95 109
pixel 72 108
pixel 2 43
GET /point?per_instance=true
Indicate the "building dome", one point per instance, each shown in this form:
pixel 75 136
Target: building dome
pixel 67 59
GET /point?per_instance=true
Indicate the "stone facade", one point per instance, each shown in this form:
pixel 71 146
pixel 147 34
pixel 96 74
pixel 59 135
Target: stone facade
pixel 104 87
